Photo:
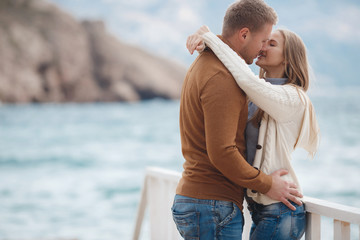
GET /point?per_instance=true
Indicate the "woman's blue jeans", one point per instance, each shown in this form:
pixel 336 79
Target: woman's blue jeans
pixel 207 219
pixel 276 221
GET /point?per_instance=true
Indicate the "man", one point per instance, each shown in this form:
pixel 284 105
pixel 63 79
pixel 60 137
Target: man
pixel 213 115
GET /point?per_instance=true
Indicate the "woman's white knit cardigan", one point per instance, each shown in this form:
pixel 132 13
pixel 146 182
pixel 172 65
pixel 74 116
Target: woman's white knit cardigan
pixel 289 120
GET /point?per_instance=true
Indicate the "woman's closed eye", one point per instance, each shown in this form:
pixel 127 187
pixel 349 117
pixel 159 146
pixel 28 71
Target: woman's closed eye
pixel 272 43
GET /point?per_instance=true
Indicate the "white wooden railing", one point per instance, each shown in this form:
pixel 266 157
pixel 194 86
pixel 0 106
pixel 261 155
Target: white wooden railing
pixel 342 216
pixel 158 192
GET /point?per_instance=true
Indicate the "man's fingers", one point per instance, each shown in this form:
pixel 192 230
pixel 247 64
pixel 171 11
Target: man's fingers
pixel 295 192
pixel 292 185
pixel 295 200
pixel 283 172
pixel 280 172
pixel 287 203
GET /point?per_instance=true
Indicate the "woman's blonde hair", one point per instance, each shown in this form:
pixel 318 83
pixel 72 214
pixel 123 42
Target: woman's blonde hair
pixel 296 65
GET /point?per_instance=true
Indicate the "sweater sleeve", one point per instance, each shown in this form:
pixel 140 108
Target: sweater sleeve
pixel 222 101
pixel 279 101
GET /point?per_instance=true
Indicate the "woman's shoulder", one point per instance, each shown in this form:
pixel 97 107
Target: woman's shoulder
pixel 296 92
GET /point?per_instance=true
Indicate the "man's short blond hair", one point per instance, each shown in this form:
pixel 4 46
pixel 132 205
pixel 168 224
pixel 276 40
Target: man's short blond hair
pixel 252 14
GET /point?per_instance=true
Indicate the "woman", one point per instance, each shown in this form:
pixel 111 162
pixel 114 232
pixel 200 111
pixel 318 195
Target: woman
pixel 281 118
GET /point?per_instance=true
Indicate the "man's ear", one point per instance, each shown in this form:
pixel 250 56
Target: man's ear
pixel 243 34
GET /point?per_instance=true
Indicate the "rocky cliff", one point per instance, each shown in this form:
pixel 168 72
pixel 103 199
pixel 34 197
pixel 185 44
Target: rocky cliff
pixel 46 55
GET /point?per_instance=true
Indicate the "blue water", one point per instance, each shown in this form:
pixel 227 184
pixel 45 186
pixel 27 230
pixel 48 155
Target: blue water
pixel 75 170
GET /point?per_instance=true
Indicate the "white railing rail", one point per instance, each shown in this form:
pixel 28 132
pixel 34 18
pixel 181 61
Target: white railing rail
pixel 158 192
pixel 342 216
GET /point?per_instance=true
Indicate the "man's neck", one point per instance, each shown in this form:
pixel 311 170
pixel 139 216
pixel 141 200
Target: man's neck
pixel 233 43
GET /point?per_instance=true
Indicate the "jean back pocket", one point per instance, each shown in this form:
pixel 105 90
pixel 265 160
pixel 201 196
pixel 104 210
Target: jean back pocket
pixel 188 224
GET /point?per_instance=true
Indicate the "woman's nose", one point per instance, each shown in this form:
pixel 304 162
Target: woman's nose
pixel 264 47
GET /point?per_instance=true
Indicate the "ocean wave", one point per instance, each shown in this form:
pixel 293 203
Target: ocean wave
pixel 14 162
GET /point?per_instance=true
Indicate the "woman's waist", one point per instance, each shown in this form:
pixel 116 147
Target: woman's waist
pixel 269 168
pixel 276 208
pixel 263 198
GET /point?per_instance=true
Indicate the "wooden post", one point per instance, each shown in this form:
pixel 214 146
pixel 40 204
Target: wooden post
pixel 313 226
pixel 161 188
pixel 141 210
pixel 341 230
pixel 248 221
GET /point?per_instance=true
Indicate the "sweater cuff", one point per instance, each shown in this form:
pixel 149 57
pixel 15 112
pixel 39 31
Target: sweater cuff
pixel 211 40
pixel 266 181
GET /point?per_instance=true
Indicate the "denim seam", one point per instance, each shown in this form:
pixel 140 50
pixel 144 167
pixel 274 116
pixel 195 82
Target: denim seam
pixel 205 202
pixel 187 201
pixel 293 216
pixel 198 226
pixel 283 211
pixel 227 219
pixel 276 228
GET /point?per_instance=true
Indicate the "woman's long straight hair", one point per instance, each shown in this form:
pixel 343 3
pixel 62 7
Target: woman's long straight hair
pixel 296 66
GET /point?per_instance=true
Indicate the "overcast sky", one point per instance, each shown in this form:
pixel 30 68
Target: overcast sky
pixel 330 29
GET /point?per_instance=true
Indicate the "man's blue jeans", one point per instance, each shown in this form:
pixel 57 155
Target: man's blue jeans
pixel 207 219
pixel 276 221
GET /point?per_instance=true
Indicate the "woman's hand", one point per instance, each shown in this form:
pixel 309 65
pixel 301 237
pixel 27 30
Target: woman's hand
pixel 195 41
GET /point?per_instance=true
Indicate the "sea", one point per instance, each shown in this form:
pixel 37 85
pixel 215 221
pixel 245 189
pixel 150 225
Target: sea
pixel 75 171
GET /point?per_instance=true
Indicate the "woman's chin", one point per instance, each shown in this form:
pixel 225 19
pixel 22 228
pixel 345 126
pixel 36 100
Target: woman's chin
pixel 258 63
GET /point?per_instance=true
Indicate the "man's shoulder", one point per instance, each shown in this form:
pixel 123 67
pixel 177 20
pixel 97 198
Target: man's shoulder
pixel 207 65
pixel 210 76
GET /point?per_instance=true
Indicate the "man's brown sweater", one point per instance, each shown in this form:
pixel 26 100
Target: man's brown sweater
pixel 213 115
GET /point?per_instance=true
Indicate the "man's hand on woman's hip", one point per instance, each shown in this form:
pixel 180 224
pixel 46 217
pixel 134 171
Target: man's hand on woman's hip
pixel 284 191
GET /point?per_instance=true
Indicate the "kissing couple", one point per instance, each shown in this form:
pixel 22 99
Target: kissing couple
pixel 238 130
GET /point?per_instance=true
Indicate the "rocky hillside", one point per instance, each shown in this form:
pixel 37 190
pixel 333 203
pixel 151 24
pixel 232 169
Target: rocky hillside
pixel 46 55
